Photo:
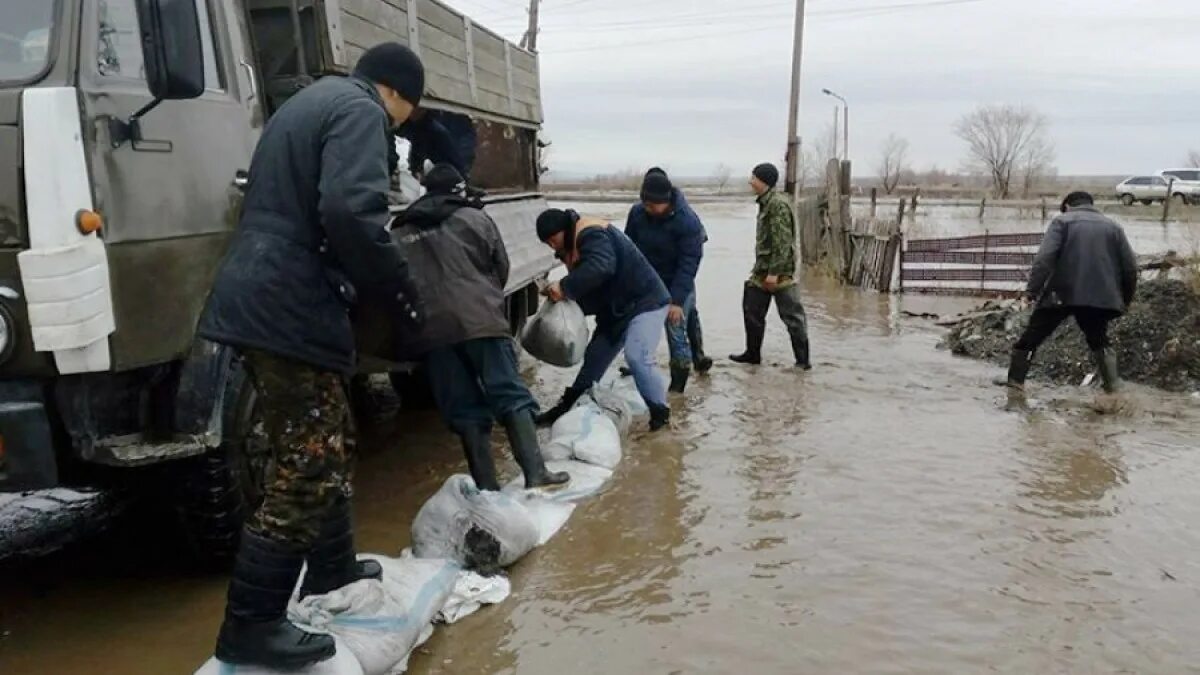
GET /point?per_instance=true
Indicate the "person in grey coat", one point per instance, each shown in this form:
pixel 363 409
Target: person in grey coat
pixel 1085 269
pixel 461 268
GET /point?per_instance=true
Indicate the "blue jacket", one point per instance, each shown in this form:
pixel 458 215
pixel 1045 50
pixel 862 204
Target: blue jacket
pixel 612 280
pixel 674 244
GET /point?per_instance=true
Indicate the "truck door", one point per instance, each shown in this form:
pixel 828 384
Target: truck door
pixel 171 202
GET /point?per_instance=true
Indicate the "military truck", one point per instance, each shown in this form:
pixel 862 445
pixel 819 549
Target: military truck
pixel 126 130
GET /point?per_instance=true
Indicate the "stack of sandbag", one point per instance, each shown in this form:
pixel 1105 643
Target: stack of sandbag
pixel 457 533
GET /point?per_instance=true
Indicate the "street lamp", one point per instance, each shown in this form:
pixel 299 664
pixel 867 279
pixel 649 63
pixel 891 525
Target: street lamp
pixel 845 122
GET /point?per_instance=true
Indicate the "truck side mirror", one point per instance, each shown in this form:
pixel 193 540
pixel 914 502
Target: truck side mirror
pixel 172 48
pixel 174 56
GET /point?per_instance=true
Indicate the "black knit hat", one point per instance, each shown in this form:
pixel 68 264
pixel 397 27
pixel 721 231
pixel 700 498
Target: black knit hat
pixel 444 179
pixel 553 221
pixel 767 173
pixel 656 169
pixel 394 65
pixel 656 188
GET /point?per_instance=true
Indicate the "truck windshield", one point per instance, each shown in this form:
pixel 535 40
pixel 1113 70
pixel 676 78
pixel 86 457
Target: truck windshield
pixel 25 27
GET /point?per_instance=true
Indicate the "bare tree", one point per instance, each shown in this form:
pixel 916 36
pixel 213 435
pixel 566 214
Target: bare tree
pixel 999 139
pixel 892 158
pixel 1193 159
pixel 721 175
pixel 1036 164
pixel 814 158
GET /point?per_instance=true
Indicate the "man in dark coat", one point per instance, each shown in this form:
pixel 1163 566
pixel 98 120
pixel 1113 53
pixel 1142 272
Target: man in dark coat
pixel 671 237
pixel 312 238
pixel 1085 269
pixel 611 280
pixel 461 268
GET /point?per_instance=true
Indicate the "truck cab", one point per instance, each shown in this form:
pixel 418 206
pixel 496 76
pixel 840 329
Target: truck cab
pixel 119 192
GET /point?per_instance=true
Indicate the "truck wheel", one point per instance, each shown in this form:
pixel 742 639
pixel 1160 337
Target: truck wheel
pixel 1181 199
pixel 414 389
pixel 1127 200
pixel 221 488
pixel 1147 202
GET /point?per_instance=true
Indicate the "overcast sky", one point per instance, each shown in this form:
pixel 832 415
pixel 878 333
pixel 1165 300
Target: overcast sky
pixel 690 84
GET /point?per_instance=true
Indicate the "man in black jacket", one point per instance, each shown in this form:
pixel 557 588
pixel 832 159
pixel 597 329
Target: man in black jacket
pixel 1085 269
pixel 461 267
pixel 312 237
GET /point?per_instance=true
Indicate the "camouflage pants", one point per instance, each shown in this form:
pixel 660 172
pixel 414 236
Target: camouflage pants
pixel 304 411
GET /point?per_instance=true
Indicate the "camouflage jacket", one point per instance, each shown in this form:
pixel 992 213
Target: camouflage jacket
pixel 775 248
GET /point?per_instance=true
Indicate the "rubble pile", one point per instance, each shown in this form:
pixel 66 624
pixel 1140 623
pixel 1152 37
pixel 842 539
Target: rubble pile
pixel 1157 342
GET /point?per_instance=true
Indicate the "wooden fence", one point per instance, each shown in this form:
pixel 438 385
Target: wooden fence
pixel 981 265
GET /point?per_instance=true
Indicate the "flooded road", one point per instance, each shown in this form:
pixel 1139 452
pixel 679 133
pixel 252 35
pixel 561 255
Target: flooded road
pixel 879 514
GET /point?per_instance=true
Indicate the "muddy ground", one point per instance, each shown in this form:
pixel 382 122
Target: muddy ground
pixel 881 514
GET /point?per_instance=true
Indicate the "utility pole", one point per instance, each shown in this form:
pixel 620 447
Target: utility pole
pixel 530 40
pixel 793 146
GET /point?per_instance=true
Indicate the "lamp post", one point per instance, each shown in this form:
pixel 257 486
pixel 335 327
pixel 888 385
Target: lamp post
pixel 845 122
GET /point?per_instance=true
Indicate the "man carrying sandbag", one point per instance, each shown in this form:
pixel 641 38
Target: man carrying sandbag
pixel 671 237
pixel 311 240
pixel 458 259
pixel 611 280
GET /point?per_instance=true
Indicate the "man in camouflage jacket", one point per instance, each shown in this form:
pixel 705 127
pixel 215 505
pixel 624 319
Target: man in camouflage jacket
pixel 773 276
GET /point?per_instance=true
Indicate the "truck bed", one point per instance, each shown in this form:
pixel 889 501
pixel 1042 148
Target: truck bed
pixel 468 68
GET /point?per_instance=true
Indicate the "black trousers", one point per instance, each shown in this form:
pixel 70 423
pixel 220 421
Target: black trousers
pixel 756 302
pixel 1092 321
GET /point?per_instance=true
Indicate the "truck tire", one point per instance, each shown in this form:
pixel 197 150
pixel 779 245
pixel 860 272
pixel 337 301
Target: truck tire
pixel 220 489
pixel 414 389
pixel 1127 200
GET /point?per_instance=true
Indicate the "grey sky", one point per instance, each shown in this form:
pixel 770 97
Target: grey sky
pixel 690 84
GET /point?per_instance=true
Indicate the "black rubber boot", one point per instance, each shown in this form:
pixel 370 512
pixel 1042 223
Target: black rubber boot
pixel 332 563
pixel 660 417
pixel 256 631
pixel 679 379
pixel 1018 369
pixel 1106 363
pixel 800 351
pixel 569 398
pixel 702 363
pixel 522 435
pixel 748 358
pixel 477 446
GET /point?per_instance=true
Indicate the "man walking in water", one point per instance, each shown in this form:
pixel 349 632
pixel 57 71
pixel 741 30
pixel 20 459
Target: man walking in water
pixel 773 276
pixel 1085 269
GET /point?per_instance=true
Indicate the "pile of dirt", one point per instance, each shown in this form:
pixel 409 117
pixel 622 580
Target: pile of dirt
pixel 1157 342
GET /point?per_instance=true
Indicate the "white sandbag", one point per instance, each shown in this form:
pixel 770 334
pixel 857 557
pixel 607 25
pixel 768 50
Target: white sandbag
pixel 381 622
pixel 550 515
pixel 615 407
pixel 441 527
pixel 586 480
pixel 625 389
pixel 471 592
pixel 557 334
pixel 590 434
pixel 342 663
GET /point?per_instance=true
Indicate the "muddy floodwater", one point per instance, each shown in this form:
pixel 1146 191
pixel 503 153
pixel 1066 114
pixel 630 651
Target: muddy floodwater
pixel 880 514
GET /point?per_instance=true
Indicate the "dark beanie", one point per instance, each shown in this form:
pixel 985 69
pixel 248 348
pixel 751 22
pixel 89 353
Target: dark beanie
pixel 656 169
pixel 394 65
pixel 656 188
pixel 767 173
pixel 553 221
pixel 444 179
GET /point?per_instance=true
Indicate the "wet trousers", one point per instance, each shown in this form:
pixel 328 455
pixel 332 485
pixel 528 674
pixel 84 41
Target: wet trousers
pixel 1092 321
pixel 678 337
pixel 695 331
pixel 476 381
pixel 756 302
pixel 640 341
pixel 305 413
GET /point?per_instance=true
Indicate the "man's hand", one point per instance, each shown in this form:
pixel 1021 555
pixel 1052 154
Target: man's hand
pixel 675 315
pixel 554 292
pixel 771 283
